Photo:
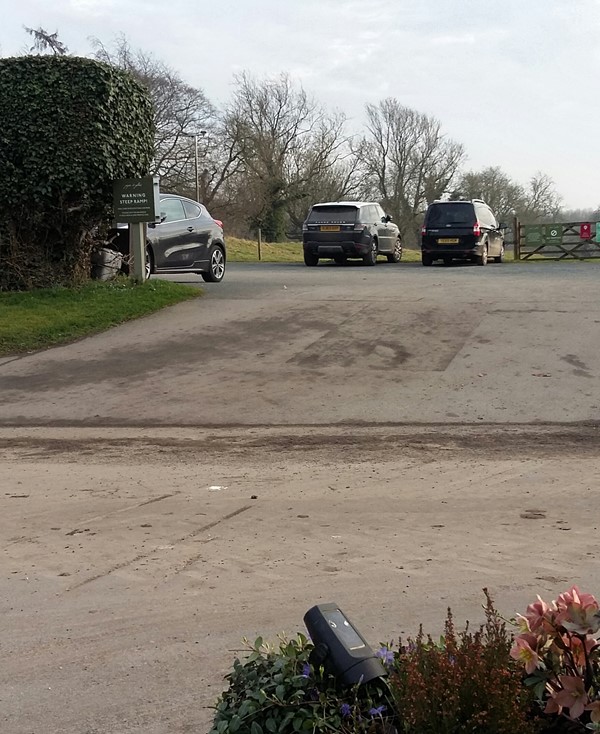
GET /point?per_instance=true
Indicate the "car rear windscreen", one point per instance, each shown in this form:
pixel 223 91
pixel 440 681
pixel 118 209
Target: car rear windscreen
pixel 332 215
pixel 442 215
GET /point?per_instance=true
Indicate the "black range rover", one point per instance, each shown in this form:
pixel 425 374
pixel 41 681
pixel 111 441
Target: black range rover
pixel 465 230
pixel 340 230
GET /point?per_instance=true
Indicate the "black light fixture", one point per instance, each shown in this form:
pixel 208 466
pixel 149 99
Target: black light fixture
pixel 339 647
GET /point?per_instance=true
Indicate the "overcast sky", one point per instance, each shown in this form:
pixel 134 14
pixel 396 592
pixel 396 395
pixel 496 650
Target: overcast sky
pixel 515 81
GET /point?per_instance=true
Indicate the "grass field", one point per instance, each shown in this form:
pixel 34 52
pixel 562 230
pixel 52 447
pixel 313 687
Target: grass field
pixel 37 319
pixel 243 251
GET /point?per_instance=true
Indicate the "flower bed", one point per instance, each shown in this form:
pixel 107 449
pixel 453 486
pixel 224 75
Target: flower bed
pixel 545 678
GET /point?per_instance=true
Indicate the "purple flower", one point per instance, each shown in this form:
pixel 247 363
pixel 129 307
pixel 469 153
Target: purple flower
pixel 376 711
pixel 345 710
pixel 386 655
pixel 306 670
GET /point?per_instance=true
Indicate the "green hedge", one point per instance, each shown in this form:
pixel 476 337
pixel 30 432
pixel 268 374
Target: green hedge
pixel 68 127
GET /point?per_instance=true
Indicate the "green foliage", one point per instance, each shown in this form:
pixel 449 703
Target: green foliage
pixel 68 127
pixel 42 318
pixel 465 682
pixel 276 690
pixel 274 223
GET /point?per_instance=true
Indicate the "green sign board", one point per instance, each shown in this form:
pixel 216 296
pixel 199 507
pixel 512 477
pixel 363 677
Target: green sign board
pixel 543 234
pixel 533 234
pixel 136 199
pixel 553 233
pixel 597 237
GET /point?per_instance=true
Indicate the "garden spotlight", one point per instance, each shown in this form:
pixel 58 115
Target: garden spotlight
pixel 339 647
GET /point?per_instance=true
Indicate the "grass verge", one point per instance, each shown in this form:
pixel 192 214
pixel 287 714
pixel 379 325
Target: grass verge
pixel 243 251
pixel 37 319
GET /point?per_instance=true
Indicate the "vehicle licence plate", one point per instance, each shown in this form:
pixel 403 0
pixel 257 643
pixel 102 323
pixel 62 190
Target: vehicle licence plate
pixel 329 228
pixel 448 241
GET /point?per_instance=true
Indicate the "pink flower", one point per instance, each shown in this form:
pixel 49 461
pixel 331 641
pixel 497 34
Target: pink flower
pixel 523 651
pixel 576 646
pixel 572 696
pixel 538 614
pixel 551 706
pixel 523 624
pixel 578 612
pixel 594 707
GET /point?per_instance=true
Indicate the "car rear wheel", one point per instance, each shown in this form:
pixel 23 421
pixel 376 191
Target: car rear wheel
pixel 500 257
pixel 483 258
pixel 371 257
pixel 426 260
pixel 149 262
pixel 397 254
pixel 216 270
pixel 310 260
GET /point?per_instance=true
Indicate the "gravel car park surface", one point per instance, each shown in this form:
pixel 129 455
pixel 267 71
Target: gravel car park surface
pixel 391 438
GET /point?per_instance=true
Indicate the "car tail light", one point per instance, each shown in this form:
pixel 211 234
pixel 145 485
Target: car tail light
pixel 305 227
pixel 477 229
pixel 423 230
pixel 219 222
pixel 360 227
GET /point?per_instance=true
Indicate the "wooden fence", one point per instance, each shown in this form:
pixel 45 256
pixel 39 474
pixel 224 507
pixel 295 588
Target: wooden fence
pixel 561 241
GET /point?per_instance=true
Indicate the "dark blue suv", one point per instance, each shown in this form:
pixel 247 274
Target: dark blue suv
pixel 462 230
pixel 340 230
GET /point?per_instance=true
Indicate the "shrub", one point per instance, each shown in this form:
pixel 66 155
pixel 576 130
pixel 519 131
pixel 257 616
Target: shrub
pixel 465 682
pixel 68 127
pixel 276 689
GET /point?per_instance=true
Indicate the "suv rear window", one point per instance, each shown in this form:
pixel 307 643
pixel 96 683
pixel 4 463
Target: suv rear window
pixel 332 214
pixel 441 215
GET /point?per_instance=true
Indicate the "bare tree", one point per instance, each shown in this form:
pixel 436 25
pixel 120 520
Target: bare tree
pixel 287 143
pixel 181 111
pixel 541 198
pixel 496 188
pixel 532 203
pixel 44 41
pixel 341 182
pixel 408 161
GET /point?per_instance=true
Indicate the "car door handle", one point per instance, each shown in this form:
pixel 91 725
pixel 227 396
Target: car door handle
pixel 190 229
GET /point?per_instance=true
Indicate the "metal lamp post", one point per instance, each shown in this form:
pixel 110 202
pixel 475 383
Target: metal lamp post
pixel 200 134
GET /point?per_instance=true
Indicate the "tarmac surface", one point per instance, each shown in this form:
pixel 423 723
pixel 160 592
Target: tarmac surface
pixel 393 439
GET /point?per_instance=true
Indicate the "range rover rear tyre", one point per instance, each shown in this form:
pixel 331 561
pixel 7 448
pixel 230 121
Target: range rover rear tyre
pixel 371 257
pixel 311 260
pixel 396 256
pixel 426 260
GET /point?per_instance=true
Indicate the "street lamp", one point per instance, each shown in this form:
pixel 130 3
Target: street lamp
pixel 199 134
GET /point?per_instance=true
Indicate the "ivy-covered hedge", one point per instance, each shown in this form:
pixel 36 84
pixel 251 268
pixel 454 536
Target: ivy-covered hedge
pixel 68 127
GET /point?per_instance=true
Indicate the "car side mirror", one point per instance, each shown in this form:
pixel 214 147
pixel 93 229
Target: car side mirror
pixel 388 218
pixel 163 216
